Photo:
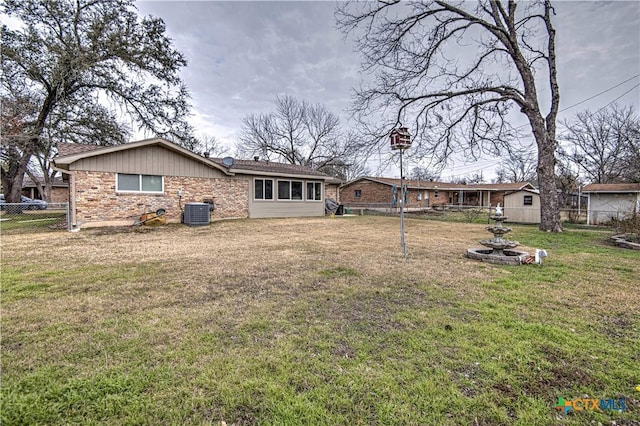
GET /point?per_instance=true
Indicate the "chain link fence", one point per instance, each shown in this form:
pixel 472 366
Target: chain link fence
pixel 449 213
pixel 480 214
pixel 28 217
pixel 55 216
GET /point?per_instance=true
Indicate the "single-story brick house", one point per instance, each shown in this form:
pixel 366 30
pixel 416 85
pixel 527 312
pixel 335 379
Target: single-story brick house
pixel 607 201
pixel 383 192
pixel 116 184
pixel 59 190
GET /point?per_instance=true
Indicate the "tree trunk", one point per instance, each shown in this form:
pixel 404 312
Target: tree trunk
pixel 12 179
pixel 549 204
pixel 12 182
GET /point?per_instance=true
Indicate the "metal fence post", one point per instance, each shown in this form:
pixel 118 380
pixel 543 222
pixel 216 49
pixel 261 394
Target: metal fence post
pixel 68 218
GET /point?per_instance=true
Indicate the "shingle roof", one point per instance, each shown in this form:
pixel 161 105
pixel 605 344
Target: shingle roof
pixel 65 148
pixel 612 187
pixel 57 182
pixel 269 167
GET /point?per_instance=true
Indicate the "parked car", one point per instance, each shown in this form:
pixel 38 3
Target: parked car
pixel 32 203
pixel 26 203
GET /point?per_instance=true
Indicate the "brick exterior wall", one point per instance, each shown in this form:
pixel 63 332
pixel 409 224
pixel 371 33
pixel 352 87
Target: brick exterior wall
pixel 370 192
pixel 332 191
pixel 59 195
pixel 98 201
pixel 378 193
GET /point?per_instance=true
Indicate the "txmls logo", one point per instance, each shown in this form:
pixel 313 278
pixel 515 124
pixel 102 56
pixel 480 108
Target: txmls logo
pixel 590 404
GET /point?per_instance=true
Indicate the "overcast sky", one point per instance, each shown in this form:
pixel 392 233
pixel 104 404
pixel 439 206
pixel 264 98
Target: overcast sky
pixel 241 55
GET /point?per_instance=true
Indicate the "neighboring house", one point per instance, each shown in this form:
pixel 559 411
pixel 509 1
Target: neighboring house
pixel 384 192
pixel 522 206
pixel 59 190
pixel 114 185
pixel 607 201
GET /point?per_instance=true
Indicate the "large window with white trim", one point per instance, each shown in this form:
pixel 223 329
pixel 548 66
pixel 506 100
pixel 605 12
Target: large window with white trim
pixel 139 183
pixel 263 189
pixel 314 191
pixel 289 190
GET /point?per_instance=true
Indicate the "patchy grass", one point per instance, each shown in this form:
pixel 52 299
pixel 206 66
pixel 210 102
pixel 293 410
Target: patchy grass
pixel 29 220
pixel 314 321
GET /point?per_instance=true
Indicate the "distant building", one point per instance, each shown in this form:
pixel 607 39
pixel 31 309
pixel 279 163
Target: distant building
pixel 59 190
pixel 384 193
pixel 608 201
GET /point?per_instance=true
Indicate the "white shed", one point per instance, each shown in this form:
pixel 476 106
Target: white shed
pixel 607 201
pixel 522 206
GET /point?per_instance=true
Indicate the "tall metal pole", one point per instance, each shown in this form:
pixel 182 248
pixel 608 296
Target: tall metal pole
pixel 401 140
pixel 402 243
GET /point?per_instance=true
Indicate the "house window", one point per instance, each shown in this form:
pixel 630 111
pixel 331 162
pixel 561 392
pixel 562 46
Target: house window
pixel 263 189
pixel 139 183
pixel 357 193
pixel 314 191
pixel 528 200
pixel 289 190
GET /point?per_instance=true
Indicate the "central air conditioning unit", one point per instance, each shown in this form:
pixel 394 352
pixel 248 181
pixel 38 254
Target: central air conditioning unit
pixel 196 214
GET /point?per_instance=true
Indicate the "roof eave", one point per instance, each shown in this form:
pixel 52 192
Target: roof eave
pixel 61 162
pixel 622 191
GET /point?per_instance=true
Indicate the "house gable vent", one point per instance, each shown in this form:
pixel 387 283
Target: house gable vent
pixel 196 214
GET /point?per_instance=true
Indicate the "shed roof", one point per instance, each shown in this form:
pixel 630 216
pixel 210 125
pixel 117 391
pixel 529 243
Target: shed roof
pixel 612 187
pixel 529 190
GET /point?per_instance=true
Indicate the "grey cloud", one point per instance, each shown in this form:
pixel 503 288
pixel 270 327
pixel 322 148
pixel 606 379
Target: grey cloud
pixel 242 54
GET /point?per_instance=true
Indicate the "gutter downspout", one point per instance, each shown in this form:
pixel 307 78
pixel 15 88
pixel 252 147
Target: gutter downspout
pixel 73 225
pixel 72 201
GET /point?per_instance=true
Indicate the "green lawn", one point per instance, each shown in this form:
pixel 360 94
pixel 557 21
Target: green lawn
pixel 315 321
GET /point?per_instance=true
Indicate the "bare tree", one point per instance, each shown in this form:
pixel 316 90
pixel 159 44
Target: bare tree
pixel 297 133
pixel 604 145
pixel 65 60
pixel 569 183
pixel 209 145
pixel 346 169
pixel 469 179
pixel 455 70
pixel 476 178
pixel 520 166
pixel 423 173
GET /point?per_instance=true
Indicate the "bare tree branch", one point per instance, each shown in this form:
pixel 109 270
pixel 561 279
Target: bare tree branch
pixel 299 133
pixel 453 72
pixel 604 146
pixel 68 54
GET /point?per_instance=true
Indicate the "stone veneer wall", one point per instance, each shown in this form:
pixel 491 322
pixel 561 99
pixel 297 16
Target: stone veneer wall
pixel 331 191
pixel 59 195
pixel 98 201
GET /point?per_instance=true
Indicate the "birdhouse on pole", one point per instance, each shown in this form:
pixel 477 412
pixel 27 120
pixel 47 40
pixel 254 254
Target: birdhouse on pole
pixel 400 138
